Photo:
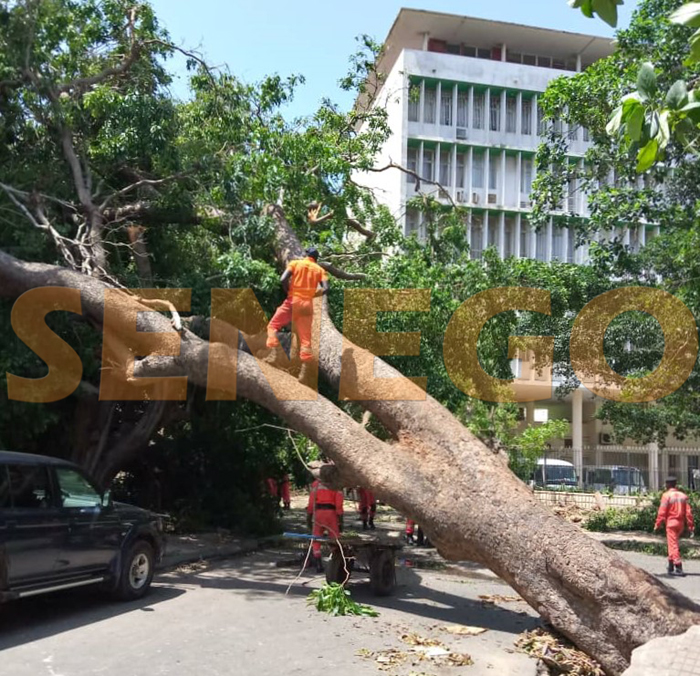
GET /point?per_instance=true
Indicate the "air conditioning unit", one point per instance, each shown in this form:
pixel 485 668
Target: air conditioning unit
pixel 461 132
pixel 475 198
pixel 460 195
pixel 606 439
pixel 492 198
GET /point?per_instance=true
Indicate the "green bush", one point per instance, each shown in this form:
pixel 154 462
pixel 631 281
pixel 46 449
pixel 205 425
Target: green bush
pixel 634 518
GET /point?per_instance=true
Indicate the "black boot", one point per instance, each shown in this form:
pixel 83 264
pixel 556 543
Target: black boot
pixel 319 565
pixel 409 539
pixel 669 567
pixel 371 523
pixel 679 570
pixel 364 525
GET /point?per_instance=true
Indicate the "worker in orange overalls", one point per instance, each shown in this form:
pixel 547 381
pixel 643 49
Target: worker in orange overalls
pixel 324 515
pixel 302 281
pixel 676 512
pixel 285 492
pixel 367 506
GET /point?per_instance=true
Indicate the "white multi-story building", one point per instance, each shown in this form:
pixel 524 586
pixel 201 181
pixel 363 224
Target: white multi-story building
pixel 462 100
pixel 461 96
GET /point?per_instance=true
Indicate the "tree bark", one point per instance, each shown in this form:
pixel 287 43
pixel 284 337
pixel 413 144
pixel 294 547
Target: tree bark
pixel 463 494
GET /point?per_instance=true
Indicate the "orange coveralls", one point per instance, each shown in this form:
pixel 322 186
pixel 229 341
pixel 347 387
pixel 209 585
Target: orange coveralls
pixel 326 506
pixel 367 504
pixel 675 511
pixel 298 308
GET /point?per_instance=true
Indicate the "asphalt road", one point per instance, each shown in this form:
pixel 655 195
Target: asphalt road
pixel 236 618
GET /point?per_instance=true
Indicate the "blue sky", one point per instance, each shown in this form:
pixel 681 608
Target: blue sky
pixel 314 38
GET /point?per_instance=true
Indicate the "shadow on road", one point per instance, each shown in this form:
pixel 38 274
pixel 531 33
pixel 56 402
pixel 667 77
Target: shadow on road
pixel 256 580
pixel 40 617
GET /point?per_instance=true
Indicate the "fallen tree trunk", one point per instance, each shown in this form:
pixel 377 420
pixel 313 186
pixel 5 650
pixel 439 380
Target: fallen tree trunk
pixel 437 472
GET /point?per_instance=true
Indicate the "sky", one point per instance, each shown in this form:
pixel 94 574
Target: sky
pixel 315 38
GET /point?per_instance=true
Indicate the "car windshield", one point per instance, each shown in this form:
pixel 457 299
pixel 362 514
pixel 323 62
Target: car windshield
pixel 628 477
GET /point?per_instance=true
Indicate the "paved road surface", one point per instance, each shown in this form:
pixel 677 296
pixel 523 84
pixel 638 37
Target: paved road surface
pixel 234 618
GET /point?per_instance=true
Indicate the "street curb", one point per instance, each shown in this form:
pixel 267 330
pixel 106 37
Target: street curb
pixel 208 554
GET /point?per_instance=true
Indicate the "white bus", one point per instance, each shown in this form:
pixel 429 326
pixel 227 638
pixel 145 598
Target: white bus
pixel 553 473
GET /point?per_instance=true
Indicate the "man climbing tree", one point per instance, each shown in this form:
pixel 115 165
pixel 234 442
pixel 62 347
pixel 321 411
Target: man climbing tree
pixel 303 281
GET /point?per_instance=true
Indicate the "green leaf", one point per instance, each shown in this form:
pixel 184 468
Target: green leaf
pixel 688 15
pixel 664 135
pixel 613 125
pixel 646 81
pixel 694 55
pixel 647 156
pixel 634 123
pixel 606 10
pixel 677 96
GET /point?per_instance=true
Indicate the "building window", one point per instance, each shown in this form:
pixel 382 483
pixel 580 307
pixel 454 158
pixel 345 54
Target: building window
pixel 483 53
pixel 558 244
pixel 495 112
pixel 414 103
pixel 477 238
pixel 412 164
pixel 544 61
pixel 526 117
pixel 412 222
pixel 509 244
pixel 478 170
pixel 460 170
pixel 493 233
pixel 541 126
pixel 446 109
pixel 559 63
pixel 541 244
pixel 429 106
pixel 452 49
pixel 428 164
pixel 493 173
pixel 571 248
pixel 541 415
pixel 469 51
pixel 479 103
pixel 445 168
pixel 524 239
pixel 514 57
pixel 526 176
pixel 572 195
pixel 462 109
pixel 529 59
pixel 586 135
pixel 511 113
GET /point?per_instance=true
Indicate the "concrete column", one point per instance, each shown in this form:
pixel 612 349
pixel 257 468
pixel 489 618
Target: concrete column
pixel 597 427
pixel 438 105
pixel 518 178
pixel 455 93
pixel 487 113
pixel 485 231
pixel 436 167
pixel 565 245
pixel 503 52
pixel 421 116
pixel 578 63
pixel 502 234
pixel 529 412
pixel 469 228
pixel 470 168
pixel 503 111
pixel 453 174
pixel 535 107
pixel 519 113
pixel 642 235
pixel 426 37
pixel 420 160
pixel 470 108
pixel 663 459
pixel 581 197
pixel 533 242
pixel 548 240
pixel 502 190
pixel 487 175
pixel 577 432
pixel 518 228
pixel 626 238
pixel 653 450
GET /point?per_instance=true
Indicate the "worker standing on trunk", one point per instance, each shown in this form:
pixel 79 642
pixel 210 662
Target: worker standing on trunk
pixel 367 507
pixel 324 516
pixel 676 512
pixel 302 281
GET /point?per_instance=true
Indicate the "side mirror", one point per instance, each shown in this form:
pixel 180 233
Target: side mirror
pixel 107 499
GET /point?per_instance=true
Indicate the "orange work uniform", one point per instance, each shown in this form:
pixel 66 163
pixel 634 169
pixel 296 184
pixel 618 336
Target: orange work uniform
pixel 326 507
pixel 367 505
pixel 675 511
pixel 298 308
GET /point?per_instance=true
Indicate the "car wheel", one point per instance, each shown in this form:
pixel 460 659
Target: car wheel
pixel 137 571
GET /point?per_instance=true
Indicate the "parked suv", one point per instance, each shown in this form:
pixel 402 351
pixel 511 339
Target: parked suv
pixel 57 531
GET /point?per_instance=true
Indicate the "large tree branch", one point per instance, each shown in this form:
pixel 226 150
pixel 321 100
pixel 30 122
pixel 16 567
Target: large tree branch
pixel 419 179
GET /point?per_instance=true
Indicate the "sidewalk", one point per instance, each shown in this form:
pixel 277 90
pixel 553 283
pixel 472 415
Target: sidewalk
pixel 626 537
pixel 181 549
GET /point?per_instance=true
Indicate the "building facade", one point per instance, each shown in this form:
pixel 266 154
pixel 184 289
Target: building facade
pixel 462 98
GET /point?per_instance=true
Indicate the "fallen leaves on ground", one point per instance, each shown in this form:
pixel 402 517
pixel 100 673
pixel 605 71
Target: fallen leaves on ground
pixel 464 630
pixel 558 653
pixel 423 650
pixel 415 639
